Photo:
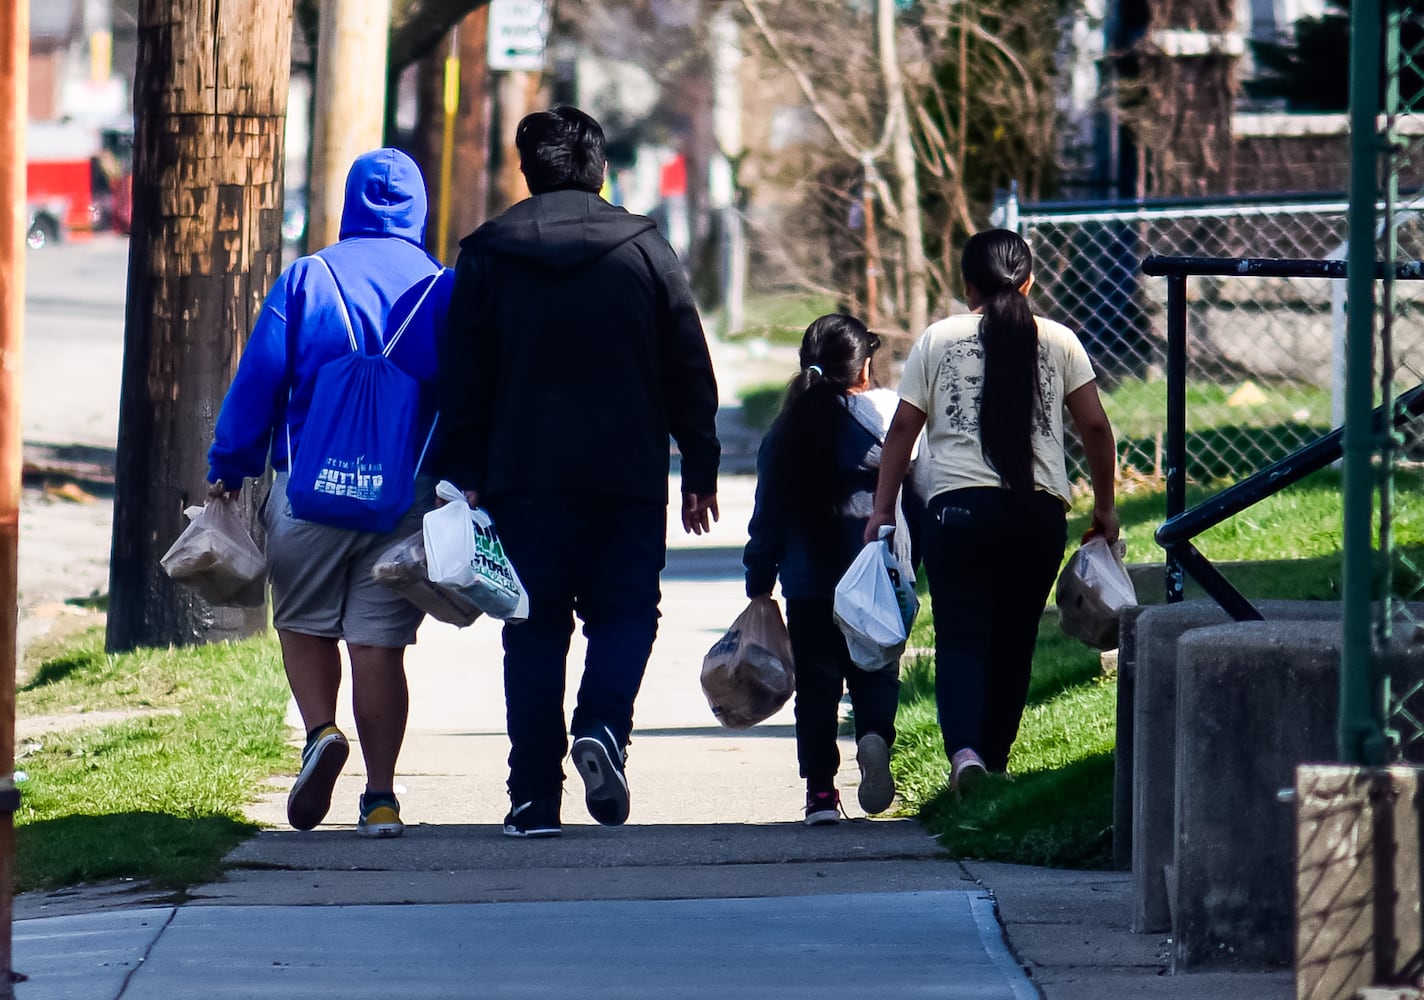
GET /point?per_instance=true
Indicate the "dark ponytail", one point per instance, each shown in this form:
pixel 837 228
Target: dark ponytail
pixel 834 351
pixel 996 264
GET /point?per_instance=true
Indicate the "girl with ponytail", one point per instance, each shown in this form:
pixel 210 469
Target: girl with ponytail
pixel 816 478
pixel 989 390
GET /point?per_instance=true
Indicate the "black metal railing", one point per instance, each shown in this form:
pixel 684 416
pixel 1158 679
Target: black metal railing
pixel 1182 525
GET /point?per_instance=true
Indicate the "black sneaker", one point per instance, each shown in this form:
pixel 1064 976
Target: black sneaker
pixel 823 808
pixel 322 760
pixel 600 765
pixel 539 817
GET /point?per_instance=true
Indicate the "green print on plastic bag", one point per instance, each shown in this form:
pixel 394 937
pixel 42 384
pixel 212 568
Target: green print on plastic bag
pixel 490 561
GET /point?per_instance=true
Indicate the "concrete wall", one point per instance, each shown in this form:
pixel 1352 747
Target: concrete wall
pixel 1254 700
pixel 1152 737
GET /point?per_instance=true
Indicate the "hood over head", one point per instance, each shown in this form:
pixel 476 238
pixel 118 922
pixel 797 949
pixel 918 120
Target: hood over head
pixel 559 230
pixel 385 196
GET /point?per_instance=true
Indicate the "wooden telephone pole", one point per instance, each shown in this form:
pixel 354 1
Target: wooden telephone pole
pixel 14 61
pixel 350 113
pixel 210 103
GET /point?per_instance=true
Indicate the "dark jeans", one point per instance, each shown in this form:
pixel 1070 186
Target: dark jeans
pixel 601 560
pixel 823 671
pixel 991 561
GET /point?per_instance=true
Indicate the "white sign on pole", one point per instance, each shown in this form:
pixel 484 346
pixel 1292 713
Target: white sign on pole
pixel 518 30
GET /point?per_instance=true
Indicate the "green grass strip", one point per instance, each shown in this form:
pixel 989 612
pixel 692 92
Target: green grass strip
pixel 1057 808
pixel 156 795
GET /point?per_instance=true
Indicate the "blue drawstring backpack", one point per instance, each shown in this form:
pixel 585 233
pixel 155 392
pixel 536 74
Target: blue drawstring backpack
pixel 357 465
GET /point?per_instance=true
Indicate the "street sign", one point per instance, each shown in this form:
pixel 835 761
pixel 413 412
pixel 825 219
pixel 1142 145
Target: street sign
pixel 518 30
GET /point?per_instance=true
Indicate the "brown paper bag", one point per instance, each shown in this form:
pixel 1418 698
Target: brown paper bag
pixel 748 675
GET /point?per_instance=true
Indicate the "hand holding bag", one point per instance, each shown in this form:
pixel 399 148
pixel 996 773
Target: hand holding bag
pixel 1092 589
pixel 216 558
pixel 875 605
pixel 463 551
pixel 748 674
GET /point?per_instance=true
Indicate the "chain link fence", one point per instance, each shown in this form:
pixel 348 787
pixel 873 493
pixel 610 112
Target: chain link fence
pixel 1265 356
pixel 1400 360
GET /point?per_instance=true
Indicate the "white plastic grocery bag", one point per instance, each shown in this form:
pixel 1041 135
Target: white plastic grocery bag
pixel 463 551
pixel 875 605
pixel 216 558
pixel 1092 589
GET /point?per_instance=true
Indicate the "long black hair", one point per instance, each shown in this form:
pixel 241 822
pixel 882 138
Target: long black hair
pixel 834 351
pixel 996 264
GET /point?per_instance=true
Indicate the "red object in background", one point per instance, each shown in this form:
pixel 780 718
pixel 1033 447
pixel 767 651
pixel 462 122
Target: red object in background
pixel 78 180
pixel 674 177
pixel 65 187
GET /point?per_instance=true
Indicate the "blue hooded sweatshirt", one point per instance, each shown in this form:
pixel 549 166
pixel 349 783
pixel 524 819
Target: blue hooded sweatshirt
pixel 380 269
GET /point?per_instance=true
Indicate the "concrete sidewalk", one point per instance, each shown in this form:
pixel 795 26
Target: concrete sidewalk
pixel 714 888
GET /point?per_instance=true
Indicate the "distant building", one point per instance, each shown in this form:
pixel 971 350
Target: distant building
pixel 72 66
pixel 1099 155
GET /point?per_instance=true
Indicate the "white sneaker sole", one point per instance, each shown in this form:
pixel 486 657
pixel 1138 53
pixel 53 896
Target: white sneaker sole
pixel 605 788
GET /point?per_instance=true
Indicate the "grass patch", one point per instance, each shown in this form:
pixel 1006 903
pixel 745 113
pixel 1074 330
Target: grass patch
pixel 781 319
pixel 158 795
pixel 1137 407
pixel 1057 810
pixel 761 404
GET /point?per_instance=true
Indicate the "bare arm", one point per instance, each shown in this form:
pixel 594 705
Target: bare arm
pixel 1100 449
pixel 894 463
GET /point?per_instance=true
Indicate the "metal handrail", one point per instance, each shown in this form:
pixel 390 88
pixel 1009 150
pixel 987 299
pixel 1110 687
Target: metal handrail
pixel 1182 525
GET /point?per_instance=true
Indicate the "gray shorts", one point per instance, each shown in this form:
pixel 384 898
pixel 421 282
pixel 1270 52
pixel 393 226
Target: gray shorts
pixel 321 576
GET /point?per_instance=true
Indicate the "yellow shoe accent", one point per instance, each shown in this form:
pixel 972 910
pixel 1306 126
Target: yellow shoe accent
pixel 381 820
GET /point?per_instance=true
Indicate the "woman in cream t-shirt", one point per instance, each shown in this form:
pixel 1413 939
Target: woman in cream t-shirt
pixel 989 390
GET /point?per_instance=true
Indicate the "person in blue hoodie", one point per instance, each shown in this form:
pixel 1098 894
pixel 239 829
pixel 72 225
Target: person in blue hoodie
pixel 322 591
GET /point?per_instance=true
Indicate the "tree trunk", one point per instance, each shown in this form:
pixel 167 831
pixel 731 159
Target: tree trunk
pixel 210 98
pixel 906 164
pixel 429 132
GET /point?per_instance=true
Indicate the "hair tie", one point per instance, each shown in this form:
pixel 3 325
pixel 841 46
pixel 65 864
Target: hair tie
pixel 816 369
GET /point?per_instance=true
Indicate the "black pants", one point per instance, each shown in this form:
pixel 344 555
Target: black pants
pixel 991 561
pixel 601 561
pixel 824 670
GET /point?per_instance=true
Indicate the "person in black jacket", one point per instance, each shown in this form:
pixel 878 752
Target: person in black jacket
pixel 573 350
pixel 816 474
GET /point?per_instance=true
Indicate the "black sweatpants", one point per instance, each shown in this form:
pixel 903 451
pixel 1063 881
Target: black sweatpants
pixel 991 561
pixel 824 670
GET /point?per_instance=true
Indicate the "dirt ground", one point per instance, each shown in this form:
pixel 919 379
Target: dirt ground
pixel 64 559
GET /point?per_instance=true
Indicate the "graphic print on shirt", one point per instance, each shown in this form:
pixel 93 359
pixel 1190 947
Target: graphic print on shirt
pixel 960 380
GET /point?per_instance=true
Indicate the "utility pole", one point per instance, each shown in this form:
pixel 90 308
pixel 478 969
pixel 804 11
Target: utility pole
pixel 350 112
pixel 210 102
pixel 14 83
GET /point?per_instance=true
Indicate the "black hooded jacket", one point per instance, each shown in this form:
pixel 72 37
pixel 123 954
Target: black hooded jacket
pixel 573 349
